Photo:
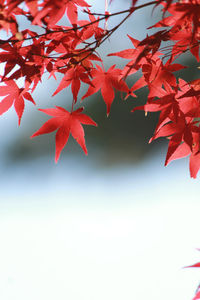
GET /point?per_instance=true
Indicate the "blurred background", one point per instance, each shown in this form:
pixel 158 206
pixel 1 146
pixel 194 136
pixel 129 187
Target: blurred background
pixel 115 224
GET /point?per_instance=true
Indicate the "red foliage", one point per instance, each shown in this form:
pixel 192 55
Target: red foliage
pixel 106 81
pixel 71 51
pixel 65 123
pixel 15 96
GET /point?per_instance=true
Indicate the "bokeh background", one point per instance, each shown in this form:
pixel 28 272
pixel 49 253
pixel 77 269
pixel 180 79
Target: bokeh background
pixel 115 224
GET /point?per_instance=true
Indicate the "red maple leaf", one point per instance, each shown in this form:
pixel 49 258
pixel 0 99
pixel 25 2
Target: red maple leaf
pixel 91 28
pixel 139 56
pixel 14 95
pixel 53 11
pixel 65 122
pixel 106 81
pixel 185 42
pixel 157 74
pixel 186 12
pixel 11 56
pixel 73 76
pixel 178 150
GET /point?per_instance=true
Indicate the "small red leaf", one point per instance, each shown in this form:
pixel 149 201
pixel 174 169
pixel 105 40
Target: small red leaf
pixel 65 123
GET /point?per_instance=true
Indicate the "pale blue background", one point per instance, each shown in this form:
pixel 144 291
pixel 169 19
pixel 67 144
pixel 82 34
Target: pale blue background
pixel 77 231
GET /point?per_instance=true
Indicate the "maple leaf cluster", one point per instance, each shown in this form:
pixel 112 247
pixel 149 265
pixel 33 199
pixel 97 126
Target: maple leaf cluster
pixel 72 51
